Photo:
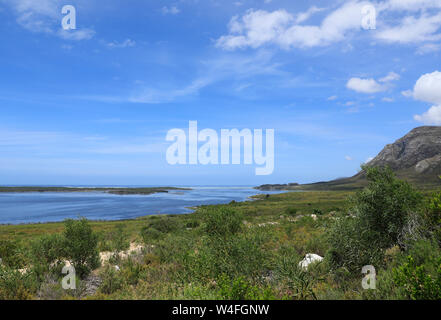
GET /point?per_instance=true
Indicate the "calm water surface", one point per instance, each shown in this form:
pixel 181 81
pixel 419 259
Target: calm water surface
pixel 16 208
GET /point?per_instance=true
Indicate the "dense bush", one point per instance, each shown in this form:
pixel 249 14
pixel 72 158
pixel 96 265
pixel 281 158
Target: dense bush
pixel 385 204
pixel 157 228
pixel 47 254
pixel 11 254
pixel 222 221
pixel 81 246
pixel 381 213
pixel 119 238
pixel 111 280
pixel 291 211
pixel 417 282
pixel 16 285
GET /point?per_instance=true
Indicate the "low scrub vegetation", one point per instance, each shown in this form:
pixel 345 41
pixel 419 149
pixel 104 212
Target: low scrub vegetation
pixel 241 250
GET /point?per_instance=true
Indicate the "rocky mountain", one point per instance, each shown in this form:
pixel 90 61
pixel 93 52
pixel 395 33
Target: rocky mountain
pixel 415 157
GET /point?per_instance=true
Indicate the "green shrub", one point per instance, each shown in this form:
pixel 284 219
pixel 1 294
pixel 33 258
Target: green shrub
pixel 119 238
pixel 15 285
pixel 352 247
pixel 81 246
pixel 111 280
pixel 158 228
pixel 241 289
pixel 148 234
pixel 417 283
pixel 291 211
pixel 384 205
pixel 47 254
pixel 222 221
pixel 12 254
pixel 382 211
pixel 298 282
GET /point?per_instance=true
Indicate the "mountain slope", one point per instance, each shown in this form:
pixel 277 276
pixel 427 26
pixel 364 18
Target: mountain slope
pixel 416 157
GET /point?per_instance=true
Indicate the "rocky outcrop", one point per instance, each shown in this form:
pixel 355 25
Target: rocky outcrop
pixel 418 152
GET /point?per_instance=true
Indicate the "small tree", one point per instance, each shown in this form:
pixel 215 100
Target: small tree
pixel 384 205
pixel 81 246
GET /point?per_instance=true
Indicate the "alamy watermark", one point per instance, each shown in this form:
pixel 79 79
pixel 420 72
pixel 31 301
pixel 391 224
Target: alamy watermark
pixel 69 21
pixel 369 280
pixel 208 153
pixel 369 17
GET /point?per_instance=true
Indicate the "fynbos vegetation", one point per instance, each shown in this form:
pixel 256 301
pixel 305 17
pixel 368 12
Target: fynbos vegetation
pixel 249 250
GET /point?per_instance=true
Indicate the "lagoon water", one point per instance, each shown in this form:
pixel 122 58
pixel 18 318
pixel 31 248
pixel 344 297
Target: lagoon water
pixel 32 207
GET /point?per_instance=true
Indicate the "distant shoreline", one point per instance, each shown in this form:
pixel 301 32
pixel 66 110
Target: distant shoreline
pixel 112 190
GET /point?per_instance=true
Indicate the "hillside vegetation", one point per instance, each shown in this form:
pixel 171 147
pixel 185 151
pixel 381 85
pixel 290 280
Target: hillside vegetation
pixel 247 250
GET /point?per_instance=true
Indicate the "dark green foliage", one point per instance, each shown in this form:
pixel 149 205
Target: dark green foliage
pixel 119 238
pixel 291 211
pixel 15 285
pixel 241 289
pixel 381 211
pixel 418 284
pixel 111 280
pixel 384 205
pixel 81 246
pixel 47 254
pixel 222 221
pixel 157 228
pixel 11 253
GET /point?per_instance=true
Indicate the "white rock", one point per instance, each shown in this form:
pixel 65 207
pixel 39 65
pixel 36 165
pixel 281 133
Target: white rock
pixel 309 258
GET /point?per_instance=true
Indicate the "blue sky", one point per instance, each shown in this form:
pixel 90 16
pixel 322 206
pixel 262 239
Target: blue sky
pixel 93 105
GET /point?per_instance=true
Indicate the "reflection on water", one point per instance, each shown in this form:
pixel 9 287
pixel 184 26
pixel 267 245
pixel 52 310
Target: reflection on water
pixel 18 208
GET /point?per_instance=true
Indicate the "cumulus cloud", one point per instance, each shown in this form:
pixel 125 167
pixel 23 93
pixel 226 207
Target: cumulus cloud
pixel 259 27
pixel 432 116
pixel 364 85
pixel 420 24
pixel 428 89
pixel 371 85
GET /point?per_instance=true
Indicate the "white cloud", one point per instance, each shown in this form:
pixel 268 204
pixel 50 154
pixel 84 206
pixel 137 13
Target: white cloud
pixel 303 16
pixel 259 27
pixel 407 93
pixel 432 116
pixel 80 34
pixel 413 30
pixel 387 99
pixel 369 159
pixel 428 48
pixel 392 76
pixel 419 24
pixel 412 5
pixel 428 89
pixel 332 98
pixel 348 158
pixel 126 43
pixel 364 85
pixel 172 10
